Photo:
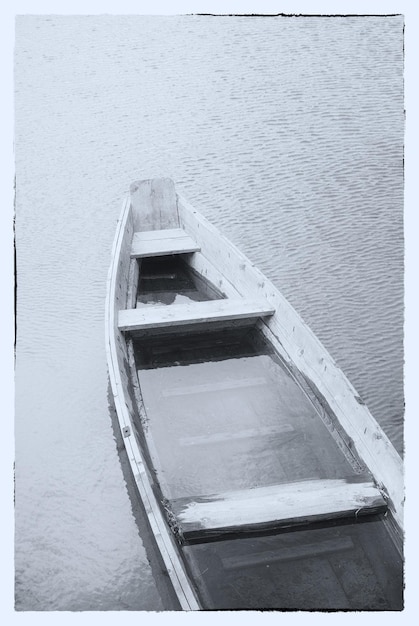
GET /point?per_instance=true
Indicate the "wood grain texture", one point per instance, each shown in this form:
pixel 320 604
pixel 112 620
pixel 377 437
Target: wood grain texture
pixel 162 243
pixel 154 204
pixel 191 313
pixel 276 506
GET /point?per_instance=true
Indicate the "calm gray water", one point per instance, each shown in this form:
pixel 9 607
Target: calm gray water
pixel 287 133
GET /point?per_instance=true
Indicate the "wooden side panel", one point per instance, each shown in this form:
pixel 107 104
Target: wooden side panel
pixel 191 313
pixel 294 338
pixel 123 267
pixel 170 241
pixel 124 399
pixel 276 506
pixel 154 204
pixel 121 290
pixel 134 273
pixel 202 266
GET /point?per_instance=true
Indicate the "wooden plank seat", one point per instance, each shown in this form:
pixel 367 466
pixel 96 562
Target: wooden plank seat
pixel 163 316
pixel 276 506
pixel 162 242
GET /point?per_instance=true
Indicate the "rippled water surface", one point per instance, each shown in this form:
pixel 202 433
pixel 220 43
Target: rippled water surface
pixel 287 133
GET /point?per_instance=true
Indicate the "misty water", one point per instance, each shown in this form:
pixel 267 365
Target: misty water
pixel 287 133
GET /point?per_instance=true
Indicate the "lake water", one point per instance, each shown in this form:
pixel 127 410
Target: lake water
pixel 287 133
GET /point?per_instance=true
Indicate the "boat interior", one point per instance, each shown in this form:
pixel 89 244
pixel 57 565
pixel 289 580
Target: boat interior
pixel 269 501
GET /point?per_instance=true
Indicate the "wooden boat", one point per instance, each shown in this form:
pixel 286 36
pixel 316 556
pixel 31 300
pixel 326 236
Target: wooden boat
pixel 264 478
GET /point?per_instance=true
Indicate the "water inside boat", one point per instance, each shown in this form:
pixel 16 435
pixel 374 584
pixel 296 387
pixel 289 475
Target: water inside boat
pixel 350 566
pixel 225 413
pixel 168 280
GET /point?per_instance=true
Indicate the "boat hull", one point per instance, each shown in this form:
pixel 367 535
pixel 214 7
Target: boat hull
pixel 152 208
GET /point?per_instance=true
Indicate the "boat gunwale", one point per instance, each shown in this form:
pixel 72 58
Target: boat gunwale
pixel 166 543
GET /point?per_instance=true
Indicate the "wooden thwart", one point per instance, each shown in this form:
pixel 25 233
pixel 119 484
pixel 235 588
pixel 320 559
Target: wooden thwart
pixel 161 243
pixel 276 506
pixel 191 313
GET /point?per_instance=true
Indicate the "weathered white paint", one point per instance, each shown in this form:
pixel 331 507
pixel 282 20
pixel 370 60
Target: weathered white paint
pixel 133 277
pixel 154 204
pixel 117 357
pixel 205 267
pixel 277 505
pixel 162 242
pixel 162 316
pixel 287 331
